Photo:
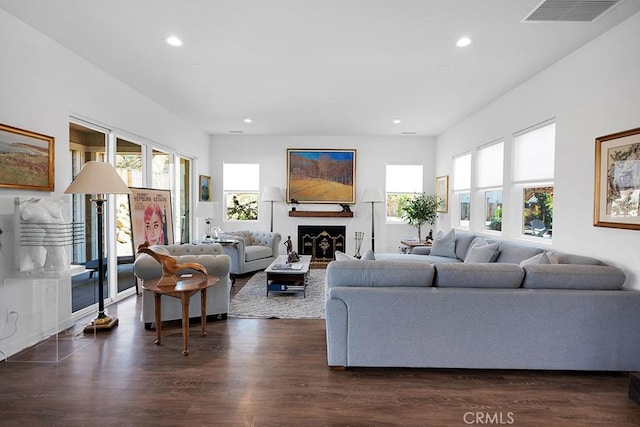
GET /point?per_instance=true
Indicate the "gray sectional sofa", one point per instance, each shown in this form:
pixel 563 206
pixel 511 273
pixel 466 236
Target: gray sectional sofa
pixel 526 308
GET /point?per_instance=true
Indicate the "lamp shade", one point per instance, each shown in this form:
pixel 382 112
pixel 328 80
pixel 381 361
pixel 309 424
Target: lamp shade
pixel 271 194
pixel 372 194
pixel 204 210
pixel 97 178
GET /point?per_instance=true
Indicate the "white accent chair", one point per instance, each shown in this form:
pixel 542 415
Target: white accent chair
pixel 252 250
pixel 210 256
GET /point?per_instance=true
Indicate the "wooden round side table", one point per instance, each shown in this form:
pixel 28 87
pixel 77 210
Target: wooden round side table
pixel 182 288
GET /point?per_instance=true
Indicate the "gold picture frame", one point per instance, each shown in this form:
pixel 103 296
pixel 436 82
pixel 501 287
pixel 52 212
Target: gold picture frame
pixel 617 180
pixel 27 159
pixel 321 176
pixel 442 193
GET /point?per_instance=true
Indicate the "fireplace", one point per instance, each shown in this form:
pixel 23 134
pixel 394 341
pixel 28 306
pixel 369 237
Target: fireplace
pixel 321 242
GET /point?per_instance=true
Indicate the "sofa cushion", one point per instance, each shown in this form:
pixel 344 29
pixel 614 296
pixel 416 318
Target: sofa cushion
pixel 546 257
pixel 341 256
pixel 492 275
pixel 368 255
pixel 515 253
pixel 444 245
pixel 358 273
pixel 482 252
pixel 573 276
pixel 252 253
pixel 421 250
pixel 464 241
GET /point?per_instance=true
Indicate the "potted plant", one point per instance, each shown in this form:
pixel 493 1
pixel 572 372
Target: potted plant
pixel 419 210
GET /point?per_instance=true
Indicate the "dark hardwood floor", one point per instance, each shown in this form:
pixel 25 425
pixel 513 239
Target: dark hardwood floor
pixel 249 372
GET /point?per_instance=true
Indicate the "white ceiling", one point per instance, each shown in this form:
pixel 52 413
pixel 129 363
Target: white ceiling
pixel 315 67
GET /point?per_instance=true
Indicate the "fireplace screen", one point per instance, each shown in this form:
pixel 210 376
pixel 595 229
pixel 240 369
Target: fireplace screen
pixel 321 242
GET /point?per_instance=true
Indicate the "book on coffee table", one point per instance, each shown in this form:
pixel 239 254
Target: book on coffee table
pixel 287 267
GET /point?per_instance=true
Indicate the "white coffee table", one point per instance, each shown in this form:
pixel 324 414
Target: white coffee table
pixel 288 277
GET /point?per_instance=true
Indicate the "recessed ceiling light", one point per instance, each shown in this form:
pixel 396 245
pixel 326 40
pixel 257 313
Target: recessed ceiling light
pixel 173 41
pixel 236 131
pixel 397 121
pixel 247 120
pixel 463 41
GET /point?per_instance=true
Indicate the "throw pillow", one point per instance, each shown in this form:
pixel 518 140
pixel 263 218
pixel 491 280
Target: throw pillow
pixel 341 256
pixel 551 257
pixel 546 257
pixel 482 253
pixel 534 260
pixel 444 245
pixel 368 255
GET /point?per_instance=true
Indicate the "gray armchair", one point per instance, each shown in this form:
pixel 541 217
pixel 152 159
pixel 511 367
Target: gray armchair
pixel 252 250
pixel 210 256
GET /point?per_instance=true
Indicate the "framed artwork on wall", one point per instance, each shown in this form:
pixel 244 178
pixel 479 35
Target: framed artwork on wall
pixel 27 159
pixel 151 216
pixel 617 180
pixel 442 193
pixel 321 176
pixel 205 188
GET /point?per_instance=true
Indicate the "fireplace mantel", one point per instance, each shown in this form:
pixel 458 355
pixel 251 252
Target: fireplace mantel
pixel 321 214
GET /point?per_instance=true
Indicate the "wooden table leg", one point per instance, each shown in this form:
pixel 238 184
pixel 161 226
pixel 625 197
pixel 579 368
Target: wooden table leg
pixel 203 311
pixel 184 297
pixel 156 299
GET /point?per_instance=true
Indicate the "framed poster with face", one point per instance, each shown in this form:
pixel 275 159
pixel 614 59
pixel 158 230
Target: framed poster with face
pixel 151 216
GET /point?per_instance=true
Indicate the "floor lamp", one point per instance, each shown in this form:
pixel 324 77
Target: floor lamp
pixel 271 194
pixel 99 178
pixel 372 195
pixel 205 210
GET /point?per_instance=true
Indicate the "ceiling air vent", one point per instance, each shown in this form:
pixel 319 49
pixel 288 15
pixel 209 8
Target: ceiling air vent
pixel 569 10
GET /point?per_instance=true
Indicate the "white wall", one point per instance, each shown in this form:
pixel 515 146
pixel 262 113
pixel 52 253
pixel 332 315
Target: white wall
pixel 42 84
pixel 373 153
pixel 593 92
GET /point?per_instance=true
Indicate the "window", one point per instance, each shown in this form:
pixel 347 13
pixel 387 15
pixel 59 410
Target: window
pixel 490 167
pixel 462 187
pixel 403 182
pixel 160 170
pixel 534 153
pixel 241 183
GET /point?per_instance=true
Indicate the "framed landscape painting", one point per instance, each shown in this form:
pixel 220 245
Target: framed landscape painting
pixel 617 180
pixel 26 158
pixel 321 176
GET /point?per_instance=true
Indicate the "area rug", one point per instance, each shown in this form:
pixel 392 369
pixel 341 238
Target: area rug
pixel 252 301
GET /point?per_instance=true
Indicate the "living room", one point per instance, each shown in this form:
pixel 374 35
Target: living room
pixel 589 93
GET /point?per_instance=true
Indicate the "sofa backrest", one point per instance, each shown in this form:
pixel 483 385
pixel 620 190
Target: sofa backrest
pixel 515 253
pixel 253 238
pixel 369 274
pixel 187 249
